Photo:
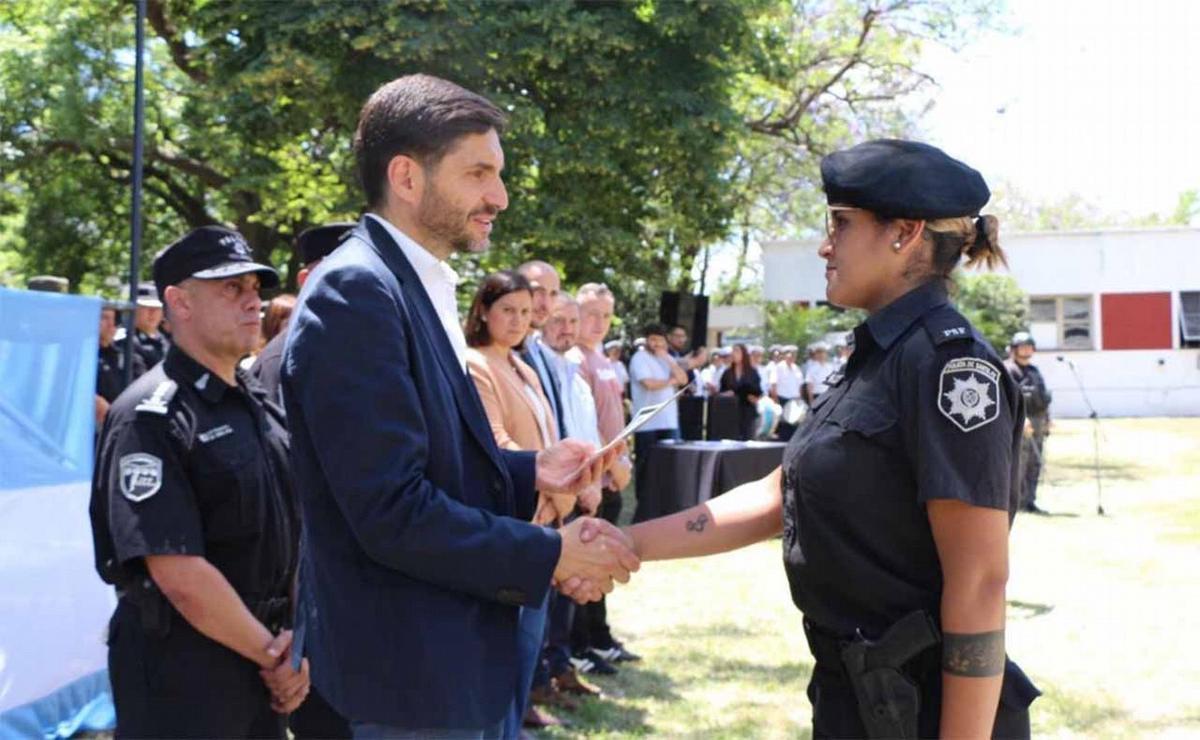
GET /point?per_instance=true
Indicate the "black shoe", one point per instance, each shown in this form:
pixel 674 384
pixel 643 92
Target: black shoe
pixel 1033 508
pixel 617 654
pixel 589 661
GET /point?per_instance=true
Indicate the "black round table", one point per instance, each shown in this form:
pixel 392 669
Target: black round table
pixel 683 474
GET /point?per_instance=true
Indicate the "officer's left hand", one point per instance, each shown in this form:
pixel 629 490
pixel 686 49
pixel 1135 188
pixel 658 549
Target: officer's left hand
pixel 288 687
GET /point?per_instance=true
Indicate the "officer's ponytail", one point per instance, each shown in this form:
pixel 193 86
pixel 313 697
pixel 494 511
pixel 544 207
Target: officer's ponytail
pixel 978 239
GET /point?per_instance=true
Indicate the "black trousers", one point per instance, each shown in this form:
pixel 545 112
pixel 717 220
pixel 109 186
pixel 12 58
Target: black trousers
pixel 183 685
pixel 1032 449
pixel 835 708
pixel 315 719
pixel 590 626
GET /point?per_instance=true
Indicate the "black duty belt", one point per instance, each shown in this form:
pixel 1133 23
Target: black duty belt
pixel 275 613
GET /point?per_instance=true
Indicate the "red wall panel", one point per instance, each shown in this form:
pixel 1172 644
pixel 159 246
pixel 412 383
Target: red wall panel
pixel 1136 320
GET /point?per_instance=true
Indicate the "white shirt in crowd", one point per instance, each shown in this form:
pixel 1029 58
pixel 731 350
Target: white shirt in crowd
pixel 622 374
pixel 816 373
pixel 578 404
pixel 788 379
pixel 440 282
pixel 764 378
pixel 646 366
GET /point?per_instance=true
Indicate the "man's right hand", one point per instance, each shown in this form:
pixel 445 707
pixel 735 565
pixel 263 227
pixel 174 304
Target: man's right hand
pixel 587 569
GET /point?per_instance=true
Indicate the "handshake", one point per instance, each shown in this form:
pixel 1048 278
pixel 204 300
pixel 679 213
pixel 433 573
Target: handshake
pixel 595 554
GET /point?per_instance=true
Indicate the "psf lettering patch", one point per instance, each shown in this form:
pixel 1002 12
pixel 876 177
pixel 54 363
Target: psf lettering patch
pixel 141 476
pixel 969 393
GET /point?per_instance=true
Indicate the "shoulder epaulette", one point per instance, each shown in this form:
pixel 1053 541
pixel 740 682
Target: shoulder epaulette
pixel 157 401
pixel 947 325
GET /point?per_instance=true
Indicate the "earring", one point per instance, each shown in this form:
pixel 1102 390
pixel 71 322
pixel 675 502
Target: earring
pixel 896 245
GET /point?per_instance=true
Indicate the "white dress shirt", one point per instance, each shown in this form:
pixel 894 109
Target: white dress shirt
pixel 440 282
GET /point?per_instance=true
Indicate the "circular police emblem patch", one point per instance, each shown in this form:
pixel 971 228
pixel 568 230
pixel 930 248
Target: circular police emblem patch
pixel 969 393
pixel 141 476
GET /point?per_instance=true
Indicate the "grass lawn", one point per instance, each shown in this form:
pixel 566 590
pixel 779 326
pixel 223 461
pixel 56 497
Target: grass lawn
pixel 1104 612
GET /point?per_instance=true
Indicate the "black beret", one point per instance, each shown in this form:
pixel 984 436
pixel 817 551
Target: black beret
pixel 319 242
pixel 208 253
pixel 903 179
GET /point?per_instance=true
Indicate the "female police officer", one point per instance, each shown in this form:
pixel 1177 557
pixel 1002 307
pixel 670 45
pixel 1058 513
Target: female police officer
pixel 896 494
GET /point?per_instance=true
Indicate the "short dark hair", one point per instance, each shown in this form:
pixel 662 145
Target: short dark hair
pixel 654 330
pixel 419 116
pixel 493 288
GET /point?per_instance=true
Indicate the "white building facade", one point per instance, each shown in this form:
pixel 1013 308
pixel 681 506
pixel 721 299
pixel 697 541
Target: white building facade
pixel 1116 314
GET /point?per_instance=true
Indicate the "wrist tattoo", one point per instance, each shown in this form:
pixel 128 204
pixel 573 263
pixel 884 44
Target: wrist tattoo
pixel 697 524
pixel 975 655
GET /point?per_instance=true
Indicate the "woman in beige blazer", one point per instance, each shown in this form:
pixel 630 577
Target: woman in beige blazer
pixel 516 405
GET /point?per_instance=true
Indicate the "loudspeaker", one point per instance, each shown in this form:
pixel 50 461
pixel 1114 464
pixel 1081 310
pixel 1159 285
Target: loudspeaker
pixel 686 310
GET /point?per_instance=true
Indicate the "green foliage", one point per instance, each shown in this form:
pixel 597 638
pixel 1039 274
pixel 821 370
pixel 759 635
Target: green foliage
pixel 640 132
pixel 995 304
pixel 801 325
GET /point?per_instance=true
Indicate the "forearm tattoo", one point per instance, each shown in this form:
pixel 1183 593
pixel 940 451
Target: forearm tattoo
pixel 697 524
pixel 975 655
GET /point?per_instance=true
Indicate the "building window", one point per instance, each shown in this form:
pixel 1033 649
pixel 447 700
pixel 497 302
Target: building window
pixel 1189 318
pixel 1061 322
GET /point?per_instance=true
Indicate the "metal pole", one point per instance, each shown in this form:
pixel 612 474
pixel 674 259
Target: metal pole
pixel 135 242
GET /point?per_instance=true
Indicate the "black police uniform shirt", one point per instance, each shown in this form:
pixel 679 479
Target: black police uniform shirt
pixel 152 349
pixel 923 410
pixel 189 465
pixel 1033 387
pixel 110 371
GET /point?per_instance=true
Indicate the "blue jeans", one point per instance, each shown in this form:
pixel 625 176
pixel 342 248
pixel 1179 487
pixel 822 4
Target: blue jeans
pixel 531 631
pixel 371 731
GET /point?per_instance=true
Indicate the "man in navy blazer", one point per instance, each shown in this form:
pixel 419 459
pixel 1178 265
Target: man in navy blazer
pixel 417 548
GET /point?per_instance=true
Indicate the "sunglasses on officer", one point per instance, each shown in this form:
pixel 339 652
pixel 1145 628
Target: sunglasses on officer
pixel 831 219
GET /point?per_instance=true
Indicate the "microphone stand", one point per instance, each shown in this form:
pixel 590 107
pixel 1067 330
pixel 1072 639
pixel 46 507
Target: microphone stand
pixel 1095 417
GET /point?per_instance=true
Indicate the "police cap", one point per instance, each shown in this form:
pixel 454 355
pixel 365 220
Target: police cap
pixel 147 296
pixel 1022 338
pixel 903 179
pixel 208 253
pixel 318 242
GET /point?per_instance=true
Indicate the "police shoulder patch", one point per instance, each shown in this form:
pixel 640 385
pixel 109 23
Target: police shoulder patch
pixel 969 392
pixel 141 475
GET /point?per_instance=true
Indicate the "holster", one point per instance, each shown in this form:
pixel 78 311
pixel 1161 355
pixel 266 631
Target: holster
pixel 275 613
pixel 888 700
pixel 151 604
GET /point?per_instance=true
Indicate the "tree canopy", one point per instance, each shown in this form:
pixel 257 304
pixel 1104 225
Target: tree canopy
pixel 641 132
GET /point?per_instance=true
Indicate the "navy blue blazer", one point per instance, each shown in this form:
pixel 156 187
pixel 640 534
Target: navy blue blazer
pixel 417 549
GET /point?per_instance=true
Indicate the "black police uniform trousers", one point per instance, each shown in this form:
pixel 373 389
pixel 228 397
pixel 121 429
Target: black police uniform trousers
pixel 1032 449
pixel 589 623
pixel 182 684
pixel 835 708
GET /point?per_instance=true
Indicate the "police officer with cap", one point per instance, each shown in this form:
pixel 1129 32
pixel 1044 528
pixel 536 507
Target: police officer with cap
pixel 110 362
pixel 897 491
pixel 1037 414
pixel 193 518
pixel 149 342
pixel 312 246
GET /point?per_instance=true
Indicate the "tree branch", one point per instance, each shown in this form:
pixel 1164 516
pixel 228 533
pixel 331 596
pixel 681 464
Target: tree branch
pixel 156 13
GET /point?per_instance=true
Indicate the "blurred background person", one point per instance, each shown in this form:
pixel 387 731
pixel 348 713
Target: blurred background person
pixel 110 366
pixel 593 646
pixel 613 350
pixel 654 375
pixel 521 418
pixel 148 340
pixel 741 379
pixel 787 383
pixel 1037 415
pixel 817 370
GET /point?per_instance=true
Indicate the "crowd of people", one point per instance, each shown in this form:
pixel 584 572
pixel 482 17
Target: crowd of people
pixel 391 522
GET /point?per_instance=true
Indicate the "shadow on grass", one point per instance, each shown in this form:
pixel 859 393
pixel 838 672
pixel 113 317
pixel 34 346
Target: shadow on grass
pixel 1062 471
pixel 717 629
pixel 1027 609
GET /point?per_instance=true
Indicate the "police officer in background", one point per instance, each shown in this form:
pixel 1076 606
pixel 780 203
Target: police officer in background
pixel 193 516
pixel 312 246
pixel 1037 415
pixel 149 342
pixel 110 363
pixel 897 492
